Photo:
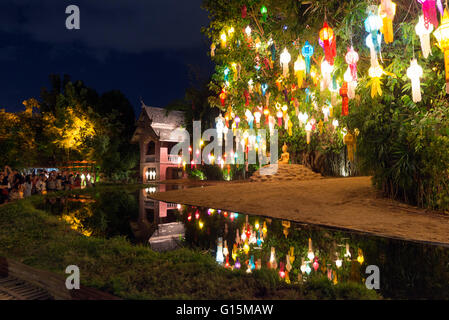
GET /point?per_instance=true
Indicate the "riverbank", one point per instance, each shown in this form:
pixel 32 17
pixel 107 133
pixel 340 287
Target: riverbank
pixel 348 203
pixel 40 240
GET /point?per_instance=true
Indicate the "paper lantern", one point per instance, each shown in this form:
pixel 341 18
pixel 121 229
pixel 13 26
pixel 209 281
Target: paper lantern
pixel 326 71
pixel 387 10
pixel 344 99
pixel 308 129
pixel 300 69
pixel 285 59
pixel 225 249
pixel 237 264
pixel 292 254
pixel 352 57
pixel 249 118
pixel 373 52
pixel 442 35
pixel 257 115
pixel 223 40
pixel 335 123
pixel 347 253
pixel 430 12
pixel 273 263
pixel 424 36
pixel 222 97
pixel 281 270
pixel 338 262
pixel 375 73
pixel 349 141
pixel 302 117
pixel 212 50
pixel 246 247
pixel 328 39
pixel 326 112
pixel 315 264
pixel 307 52
pixel 373 23
pixel 264 88
pixel 248 32
pixel 360 257
pixel 244 12
pixel 219 256
pixel 415 72
pixel 264 12
pixel 310 254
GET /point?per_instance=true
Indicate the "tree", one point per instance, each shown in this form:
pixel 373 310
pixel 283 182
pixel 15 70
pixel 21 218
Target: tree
pixel 402 143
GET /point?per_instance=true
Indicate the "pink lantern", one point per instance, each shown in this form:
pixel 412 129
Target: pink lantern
pixel 352 57
pixel 430 12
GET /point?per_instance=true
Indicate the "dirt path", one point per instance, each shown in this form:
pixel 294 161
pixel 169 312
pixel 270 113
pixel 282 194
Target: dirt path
pixel 350 203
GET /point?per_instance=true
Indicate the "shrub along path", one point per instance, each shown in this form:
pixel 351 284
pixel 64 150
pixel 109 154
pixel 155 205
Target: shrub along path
pixel 350 203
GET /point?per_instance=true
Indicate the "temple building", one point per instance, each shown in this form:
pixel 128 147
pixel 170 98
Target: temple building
pixel 156 134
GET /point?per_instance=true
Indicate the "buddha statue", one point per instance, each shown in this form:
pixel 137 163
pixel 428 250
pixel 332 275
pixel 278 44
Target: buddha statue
pixel 285 156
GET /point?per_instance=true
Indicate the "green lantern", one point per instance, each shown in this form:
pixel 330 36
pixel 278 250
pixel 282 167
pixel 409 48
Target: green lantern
pixel 264 12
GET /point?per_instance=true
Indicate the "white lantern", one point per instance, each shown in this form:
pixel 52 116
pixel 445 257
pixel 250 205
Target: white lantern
pixel 326 71
pixel 285 59
pixel 424 36
pixel 415 72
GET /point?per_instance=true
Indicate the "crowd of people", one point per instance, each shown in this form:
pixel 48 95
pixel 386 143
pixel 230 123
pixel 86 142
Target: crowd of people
pixel 16 185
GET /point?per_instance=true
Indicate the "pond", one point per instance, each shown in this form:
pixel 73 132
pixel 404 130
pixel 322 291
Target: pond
pixel 408 270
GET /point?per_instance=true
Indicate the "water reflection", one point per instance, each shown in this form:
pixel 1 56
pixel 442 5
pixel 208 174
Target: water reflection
pixel 297 252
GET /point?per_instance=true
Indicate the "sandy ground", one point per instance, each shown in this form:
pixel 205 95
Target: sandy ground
pixel 350 203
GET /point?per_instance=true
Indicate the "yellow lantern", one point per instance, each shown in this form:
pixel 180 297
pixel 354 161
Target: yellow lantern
pixel 300 69
pixel 360 257
pixel 387 10
pixel 442 35
pixel 223 40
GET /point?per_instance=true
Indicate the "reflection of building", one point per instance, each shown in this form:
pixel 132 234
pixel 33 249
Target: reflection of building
pixel 157 132
pixel 161 215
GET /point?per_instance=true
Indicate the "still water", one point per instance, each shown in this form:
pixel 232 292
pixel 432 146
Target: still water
pixel 408 270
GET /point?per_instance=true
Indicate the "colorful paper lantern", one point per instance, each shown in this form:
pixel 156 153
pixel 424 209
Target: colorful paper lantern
pixel 307 52
pixel 264 13
pixel 442 35
pixel 212 50
pixel 327 37
pixel 308 129
pixel 223 40
pixel 310 253
pixel 415 72
pixel 300 69
pixel 430 12
pixel 373 23
pixel 387 10
pixel 285 59
pixel 375 73
pixel 219 256
pixel 344 99
pixel 360 257
pixel 424 36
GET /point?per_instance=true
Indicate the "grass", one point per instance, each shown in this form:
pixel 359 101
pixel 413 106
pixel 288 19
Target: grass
pixel 40 240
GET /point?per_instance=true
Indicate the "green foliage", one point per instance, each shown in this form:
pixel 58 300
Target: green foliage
pixel 403 144
pixel 72 122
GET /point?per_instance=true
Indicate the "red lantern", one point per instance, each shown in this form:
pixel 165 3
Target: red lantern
pixel 344 99
pixel 246 94
pixel 222 97
pixel 266 113
pixel 244 10
pixel 329 45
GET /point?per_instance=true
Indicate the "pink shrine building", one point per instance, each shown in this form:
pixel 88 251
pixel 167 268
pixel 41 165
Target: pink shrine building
pixel 155 134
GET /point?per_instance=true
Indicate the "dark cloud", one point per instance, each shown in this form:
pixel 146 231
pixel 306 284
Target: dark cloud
pixel 141 47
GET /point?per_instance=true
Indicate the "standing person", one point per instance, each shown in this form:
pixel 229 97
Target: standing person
pixel 41 185
pixel 28 187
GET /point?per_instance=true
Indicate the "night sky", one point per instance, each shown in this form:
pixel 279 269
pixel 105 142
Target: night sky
pixel 141 47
